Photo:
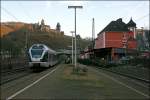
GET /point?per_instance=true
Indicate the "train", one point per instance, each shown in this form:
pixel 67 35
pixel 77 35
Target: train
pixel 41 56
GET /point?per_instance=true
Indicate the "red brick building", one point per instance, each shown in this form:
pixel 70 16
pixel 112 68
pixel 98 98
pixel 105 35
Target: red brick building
pixel 116 40
pixel 117 34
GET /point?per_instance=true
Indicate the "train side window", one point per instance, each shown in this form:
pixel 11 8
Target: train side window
pixel 45 57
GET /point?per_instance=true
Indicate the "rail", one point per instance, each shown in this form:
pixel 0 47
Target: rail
pixel 134 72
pixel 12 68
pixel 127 75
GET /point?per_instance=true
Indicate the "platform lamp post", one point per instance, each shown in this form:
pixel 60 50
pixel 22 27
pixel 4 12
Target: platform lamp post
pixel 75 7
pixel 72 45
pixel 26 41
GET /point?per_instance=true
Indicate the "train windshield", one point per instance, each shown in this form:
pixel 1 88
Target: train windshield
pixel 37 53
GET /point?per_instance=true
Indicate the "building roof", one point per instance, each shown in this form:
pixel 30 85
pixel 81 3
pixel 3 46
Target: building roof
pixel 116 26
pixel 131 23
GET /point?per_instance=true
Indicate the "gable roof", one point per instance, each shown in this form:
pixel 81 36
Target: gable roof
pixel 116 26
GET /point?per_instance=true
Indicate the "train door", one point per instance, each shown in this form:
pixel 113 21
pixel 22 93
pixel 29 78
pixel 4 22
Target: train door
pixel 50 59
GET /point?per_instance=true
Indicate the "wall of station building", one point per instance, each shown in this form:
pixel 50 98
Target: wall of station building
pixel 100 42
pixel 114 39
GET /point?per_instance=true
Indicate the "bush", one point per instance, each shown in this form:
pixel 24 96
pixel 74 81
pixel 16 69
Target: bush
pixel 144 62
pixel 80 71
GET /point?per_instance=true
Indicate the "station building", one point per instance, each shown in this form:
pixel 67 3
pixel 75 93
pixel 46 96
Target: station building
pixel 115 41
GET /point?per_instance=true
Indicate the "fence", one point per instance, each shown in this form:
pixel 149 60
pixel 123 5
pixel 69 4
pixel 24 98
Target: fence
pixel 10 61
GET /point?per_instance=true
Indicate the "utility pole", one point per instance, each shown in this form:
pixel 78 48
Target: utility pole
pixel 75 7
pixel 93 33
pixel 26 41
pixel 72 46
pixel 93 36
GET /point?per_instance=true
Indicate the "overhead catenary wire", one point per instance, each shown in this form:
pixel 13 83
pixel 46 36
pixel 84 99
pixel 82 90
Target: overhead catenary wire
pixel 25 11
pixel 133 11
pixel 9 13
pixel 147 15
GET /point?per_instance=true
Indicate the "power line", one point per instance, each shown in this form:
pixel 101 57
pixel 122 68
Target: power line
pixel 133 10
pixel 9 13
pixel 142 17
pixel 24 10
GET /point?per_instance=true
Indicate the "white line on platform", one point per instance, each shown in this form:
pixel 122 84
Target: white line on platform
pixel 145 86
pixel 125 85
pixel 136 82
pixel 15 94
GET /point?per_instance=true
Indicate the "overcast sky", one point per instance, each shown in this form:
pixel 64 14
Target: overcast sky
pixel 57 11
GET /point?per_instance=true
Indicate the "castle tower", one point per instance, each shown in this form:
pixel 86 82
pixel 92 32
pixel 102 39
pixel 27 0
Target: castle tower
pixel 42 25
pixel 58 27
pixel 132 26
pixel 42 22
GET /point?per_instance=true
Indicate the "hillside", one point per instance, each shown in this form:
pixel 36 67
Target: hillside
pixel 8 27
pixel 5 30
pixel 15 39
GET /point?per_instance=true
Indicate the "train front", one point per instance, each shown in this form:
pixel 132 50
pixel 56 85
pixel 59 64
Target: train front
pixel 36 53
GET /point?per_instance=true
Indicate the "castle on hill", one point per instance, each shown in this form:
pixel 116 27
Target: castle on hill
pixel 46 28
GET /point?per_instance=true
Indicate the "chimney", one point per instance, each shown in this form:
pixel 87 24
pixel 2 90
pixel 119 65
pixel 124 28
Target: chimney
pixel 119 20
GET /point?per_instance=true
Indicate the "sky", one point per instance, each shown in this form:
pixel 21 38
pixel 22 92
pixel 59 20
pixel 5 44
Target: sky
pixel 57 11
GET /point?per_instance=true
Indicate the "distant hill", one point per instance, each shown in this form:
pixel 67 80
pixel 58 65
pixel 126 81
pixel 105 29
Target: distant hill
pixel 8 27
pixel 15 36
pixel 5 30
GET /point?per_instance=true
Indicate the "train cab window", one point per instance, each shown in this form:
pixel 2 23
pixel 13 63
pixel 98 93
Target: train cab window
pixel 36 53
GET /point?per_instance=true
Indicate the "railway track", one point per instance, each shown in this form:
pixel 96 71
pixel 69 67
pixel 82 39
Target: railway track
pixel 13 71
pixel 126 75
pixel 10 75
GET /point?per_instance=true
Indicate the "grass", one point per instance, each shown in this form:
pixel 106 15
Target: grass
pixel 84 78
